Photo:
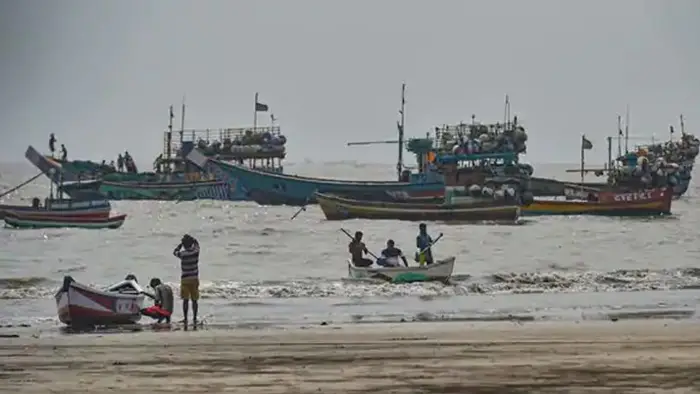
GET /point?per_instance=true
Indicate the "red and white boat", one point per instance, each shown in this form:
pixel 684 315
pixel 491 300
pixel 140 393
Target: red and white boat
pixel 60 208
pixel 83 306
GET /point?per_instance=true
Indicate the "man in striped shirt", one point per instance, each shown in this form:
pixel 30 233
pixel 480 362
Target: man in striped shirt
pixel 188 253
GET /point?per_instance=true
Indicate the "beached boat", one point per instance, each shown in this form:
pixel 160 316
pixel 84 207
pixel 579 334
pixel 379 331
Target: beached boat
pixel 59 208
pixel 340 208
pixel 607 203
pixel 441 270
pixel 83 306
pixel 18 220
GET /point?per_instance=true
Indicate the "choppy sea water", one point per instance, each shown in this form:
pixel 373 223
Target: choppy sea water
pixel 258 267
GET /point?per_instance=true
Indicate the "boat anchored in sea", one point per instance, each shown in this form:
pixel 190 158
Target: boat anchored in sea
pixel 173 177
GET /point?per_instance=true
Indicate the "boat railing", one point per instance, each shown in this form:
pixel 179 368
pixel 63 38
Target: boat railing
pixel 242 142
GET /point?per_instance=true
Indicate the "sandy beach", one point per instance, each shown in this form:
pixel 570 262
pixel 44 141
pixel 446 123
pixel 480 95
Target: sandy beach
pixel 622 357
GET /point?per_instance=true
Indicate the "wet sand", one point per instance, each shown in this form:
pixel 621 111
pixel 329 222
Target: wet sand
pixel 591 357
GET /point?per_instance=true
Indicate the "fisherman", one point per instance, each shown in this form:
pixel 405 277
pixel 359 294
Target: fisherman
pixel 52 144
pixel 357 250
pixel 162 309
pixel 64 153
pixel 423 242
pixel 188 253
pixel 390 256
pixel 120 163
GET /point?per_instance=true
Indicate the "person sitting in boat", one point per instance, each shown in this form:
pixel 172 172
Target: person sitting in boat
pixel 162 308
pixel 390 256
pixel 423 242
pixel 357 250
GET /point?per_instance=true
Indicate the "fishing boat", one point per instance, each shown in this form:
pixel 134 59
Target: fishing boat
pixel 173 178
pixel 652 202
pixel 441 270
pixel 340 208
pixel 83 306
pixel 26 221
pixel 60 208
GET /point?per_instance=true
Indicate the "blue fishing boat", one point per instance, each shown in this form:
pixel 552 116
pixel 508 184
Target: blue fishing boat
pixel 268 188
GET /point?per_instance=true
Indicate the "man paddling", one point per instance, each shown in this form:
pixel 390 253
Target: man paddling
pixel 162 309
pixel 357 250
pixel 390 256
pixel 188 253
pixel 423 242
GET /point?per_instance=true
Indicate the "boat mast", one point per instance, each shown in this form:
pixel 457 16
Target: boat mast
pixel 182 122
pixel 682 125
pixel 399 164
pixel 610 160
pixel 619 136
pixel 627 128
pixel 168 148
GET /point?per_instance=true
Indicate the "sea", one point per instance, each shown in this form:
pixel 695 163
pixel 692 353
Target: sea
pixel 260 268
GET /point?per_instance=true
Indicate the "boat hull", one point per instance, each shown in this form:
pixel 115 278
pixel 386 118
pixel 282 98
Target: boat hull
pixel 36 222
pixel 282 189
pixel 61 209
pixel 609 204
pixel 543 187
pixel 338 208
pixel 170 191
pixel 441 270
pixel 82 306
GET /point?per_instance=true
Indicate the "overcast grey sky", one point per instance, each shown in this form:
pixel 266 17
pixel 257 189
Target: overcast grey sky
pixel 101 74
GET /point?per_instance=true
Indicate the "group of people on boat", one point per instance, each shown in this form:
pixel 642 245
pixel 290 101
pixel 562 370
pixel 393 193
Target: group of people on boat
pixel 681 151
pixel 126 163
pixel 52 147
pixel 392 256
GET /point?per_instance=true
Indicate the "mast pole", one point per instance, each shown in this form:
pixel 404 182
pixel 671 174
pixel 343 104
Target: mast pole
pixel 255 113
pixel 399 164
pixel 627 128
pixel 182 122
pixel 168 148
pixel 619 136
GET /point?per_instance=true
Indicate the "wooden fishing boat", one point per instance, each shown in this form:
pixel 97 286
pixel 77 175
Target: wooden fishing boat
pixel 37 221
pixel 339 208
pixel 60 208
pixel 79 305
pixel 607 203
pixel 441 270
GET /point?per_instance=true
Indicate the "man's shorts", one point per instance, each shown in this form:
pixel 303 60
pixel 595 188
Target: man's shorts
pixel 189 289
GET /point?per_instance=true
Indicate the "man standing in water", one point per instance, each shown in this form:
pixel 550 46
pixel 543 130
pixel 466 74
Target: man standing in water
pixel 188 253
pixel 423 242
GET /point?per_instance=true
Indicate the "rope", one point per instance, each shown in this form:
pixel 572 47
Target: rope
pixel 21 185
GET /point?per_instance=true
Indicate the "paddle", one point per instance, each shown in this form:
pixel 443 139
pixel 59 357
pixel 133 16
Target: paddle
pixel 21 185
pixel 351 237
pixel 420 252
pixel 303 207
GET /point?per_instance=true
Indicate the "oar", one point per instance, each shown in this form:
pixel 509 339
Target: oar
pixel 303 207
pixel 351 237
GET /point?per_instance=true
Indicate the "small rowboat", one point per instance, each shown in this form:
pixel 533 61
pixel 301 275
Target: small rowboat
pixel 339 208
pixel 83 306
pixel 36 221
pixel 441 270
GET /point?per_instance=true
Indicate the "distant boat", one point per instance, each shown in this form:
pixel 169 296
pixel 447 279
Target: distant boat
pixel 281 189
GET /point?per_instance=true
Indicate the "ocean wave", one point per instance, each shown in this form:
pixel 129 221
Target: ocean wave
pixel 497 283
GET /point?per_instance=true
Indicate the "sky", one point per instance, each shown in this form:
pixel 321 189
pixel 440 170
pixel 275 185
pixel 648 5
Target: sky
pixel 102 74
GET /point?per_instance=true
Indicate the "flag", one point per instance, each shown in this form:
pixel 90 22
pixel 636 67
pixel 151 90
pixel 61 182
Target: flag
pixel 619 132
pixel 670 128
pixel 260 107
pixel 172 114
pixel 585 143
pixel 272 118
